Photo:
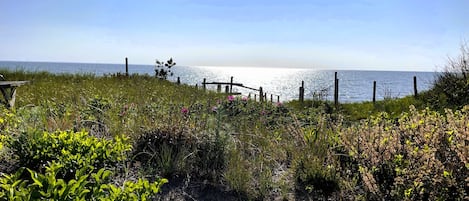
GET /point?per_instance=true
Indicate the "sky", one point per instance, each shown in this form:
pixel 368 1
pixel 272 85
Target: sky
pixel 416 35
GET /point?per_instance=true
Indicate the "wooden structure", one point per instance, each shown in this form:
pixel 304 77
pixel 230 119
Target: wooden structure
pixel 8 89
pixel 126 66
pixel 302 92
pixel 336 90
pixel 229 89
pixel 374 91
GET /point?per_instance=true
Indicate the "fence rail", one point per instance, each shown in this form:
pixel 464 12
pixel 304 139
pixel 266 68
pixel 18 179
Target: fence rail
pixel 229 89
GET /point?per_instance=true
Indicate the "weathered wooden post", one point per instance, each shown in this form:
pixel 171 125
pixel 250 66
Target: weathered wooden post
pixel 249 96
pixel 179 81
pixel 219 88
pixel 126 66
pixel 204 86
pixel 227 89
pixel 265 96
pixel 374 91
pixel 415 86
pixel 196 86
pixel 255 97
pixel 231 84
pixel 336 90
pixel 261 94
pixel 271 98
pixel 278 99
pixel 302 92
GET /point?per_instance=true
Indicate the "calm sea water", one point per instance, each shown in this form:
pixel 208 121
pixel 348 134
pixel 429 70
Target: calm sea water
pixel 354 86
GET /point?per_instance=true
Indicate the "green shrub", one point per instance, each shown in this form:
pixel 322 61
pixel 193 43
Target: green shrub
pixel 314 177
pixel 86 185
pixel 421 156
pixel 178 153
pixel 451 88
pixel 169 153
pixel 94 116
pixel 316 167
pixel 74 150
pixel 163 69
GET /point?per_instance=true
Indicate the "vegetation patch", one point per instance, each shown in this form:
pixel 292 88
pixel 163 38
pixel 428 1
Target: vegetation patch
pixel 116 137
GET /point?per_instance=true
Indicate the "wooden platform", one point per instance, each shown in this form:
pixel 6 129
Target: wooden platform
pixel 8 89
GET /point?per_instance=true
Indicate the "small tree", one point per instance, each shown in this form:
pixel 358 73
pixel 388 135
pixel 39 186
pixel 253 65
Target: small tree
pixel 163 69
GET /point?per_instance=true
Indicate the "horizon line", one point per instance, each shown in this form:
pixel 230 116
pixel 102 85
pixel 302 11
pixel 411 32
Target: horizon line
pixel 344 68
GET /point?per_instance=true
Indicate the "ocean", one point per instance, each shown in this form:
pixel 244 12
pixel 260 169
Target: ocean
pixel 354 85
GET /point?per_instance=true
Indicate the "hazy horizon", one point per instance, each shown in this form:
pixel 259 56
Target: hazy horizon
pixel 338 34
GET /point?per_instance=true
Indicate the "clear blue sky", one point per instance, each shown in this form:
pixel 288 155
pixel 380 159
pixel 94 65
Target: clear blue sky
pixel 334 34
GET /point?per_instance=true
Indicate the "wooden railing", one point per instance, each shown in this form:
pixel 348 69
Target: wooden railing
pixel 229 89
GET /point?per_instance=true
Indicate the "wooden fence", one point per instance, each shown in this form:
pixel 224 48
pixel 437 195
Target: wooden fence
pixel 229 89
pixel 263 95
pixel 336 90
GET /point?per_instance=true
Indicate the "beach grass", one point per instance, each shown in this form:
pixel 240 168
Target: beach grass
pixel 233 147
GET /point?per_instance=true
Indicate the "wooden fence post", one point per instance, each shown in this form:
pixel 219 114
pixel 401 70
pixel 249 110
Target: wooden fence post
pixel 271 98
pixel 278 99
pixel 302 92
pixel 261 94
pixel 204 86
pixel 415 86
pixel 374 91
pixel 126 66
pixel 336 90
pixel 179 80
pixel 227 89
pixel 231 84
pixel 219 88
pixel 255 97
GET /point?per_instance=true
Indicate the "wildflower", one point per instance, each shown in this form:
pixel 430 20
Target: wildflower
pixel 231 98
pixel 184 111
pixel 245 98
pixel 279 104
pixel 214 109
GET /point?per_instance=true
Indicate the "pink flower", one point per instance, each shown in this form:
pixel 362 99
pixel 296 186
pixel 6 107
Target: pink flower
pixel 245 98
pixel 184 111
pixel 231 98
pixel 279 104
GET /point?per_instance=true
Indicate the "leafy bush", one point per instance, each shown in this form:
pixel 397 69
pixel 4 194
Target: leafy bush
pixel 451 88
pixel 74 150
pixel 422 155
pixel 86 185
pixel 9 124
pixel 163 69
